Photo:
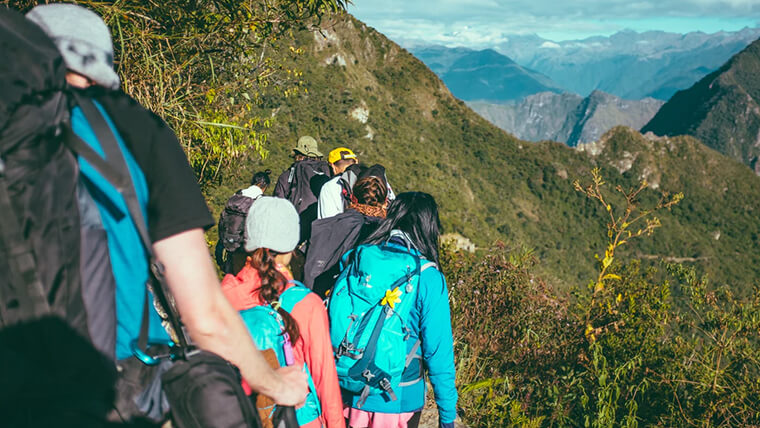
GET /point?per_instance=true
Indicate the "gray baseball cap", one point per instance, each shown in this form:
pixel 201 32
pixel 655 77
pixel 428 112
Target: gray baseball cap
pixel 83 39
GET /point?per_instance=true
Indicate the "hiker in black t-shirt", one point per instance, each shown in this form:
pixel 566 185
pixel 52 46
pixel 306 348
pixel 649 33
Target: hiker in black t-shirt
pixel 176 211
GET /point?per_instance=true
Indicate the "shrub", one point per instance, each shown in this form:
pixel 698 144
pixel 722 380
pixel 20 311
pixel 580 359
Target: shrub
pixel 638 345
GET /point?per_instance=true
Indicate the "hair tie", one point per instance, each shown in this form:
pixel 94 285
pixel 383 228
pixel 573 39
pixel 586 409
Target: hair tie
pixel 276 305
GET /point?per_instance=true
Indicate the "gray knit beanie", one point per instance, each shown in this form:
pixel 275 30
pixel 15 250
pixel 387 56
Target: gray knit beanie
pixel 83 39
pixel 272 223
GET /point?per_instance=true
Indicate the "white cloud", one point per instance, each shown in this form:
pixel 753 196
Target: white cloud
pixel 550 45
pixel 480 23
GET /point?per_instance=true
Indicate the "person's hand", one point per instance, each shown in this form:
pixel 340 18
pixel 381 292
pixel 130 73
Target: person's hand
pixel 293 386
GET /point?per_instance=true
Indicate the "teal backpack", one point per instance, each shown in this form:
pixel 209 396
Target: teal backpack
pixel 369 309
pixel 268 332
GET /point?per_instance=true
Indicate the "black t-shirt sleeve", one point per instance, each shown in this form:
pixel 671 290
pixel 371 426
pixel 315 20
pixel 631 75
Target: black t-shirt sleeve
pixel 175 202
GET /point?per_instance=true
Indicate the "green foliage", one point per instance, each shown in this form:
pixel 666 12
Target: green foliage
pixel 653 345
pixel 204 66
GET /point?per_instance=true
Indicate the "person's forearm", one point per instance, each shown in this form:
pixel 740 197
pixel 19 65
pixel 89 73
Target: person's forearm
pixel 225 334
pixel 211 321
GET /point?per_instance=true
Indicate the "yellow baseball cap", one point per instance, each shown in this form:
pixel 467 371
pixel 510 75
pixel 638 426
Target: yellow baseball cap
pixel 339 154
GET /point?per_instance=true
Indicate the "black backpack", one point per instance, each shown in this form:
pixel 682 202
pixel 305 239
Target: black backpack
pixel 232 229
pixel 304 182
pixel 331 238
pixel 38 178
pixel 54 262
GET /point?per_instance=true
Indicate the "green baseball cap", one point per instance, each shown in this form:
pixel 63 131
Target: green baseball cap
pixel 307 146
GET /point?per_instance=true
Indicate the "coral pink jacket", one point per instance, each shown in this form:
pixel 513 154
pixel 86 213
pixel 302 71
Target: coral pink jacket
pixel 313 347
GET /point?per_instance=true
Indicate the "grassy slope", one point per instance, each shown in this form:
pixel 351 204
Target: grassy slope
pixel 492 186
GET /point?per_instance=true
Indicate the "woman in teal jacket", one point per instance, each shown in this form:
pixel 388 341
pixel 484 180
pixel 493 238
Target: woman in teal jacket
pixel 413 225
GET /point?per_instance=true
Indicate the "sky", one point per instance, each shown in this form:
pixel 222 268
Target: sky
pixel 486 23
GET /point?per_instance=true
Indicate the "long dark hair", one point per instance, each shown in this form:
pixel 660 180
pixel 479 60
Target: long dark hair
pixel 272 284
pixel 416 214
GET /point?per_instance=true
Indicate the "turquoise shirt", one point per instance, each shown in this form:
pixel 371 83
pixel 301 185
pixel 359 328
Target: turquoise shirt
pixel 129 260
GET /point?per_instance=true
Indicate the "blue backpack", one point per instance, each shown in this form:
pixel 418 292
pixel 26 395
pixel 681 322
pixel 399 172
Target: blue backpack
pixel 268 332
pixel 369 309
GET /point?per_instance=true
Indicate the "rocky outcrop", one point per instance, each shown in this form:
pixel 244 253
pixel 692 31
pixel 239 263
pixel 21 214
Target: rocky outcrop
pixel 567 118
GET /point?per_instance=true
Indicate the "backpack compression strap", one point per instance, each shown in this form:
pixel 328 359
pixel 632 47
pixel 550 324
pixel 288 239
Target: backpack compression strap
pixel 116 171
pixel 291 180
pixel 24 284
pixel 345 192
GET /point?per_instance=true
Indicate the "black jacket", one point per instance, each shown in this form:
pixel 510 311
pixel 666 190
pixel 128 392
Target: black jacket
pixel 331 238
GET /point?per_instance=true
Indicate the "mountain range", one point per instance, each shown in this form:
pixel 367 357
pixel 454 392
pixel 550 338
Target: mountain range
pixel 627 64
pixel 483 75
pixel 722 109
pixel 567 118
pixel 367 93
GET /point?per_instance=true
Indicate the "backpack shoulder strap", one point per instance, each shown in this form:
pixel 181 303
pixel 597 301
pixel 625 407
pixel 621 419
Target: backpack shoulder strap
pixel 428 265
pixel 290 297
pixel 291 174
pixel 114 169
pixel 412 354
pixel 291 180
pixel 345 191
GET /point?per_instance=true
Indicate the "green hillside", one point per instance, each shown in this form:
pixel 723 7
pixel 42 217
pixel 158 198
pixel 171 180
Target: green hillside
pixel 367 93
pixel 722 109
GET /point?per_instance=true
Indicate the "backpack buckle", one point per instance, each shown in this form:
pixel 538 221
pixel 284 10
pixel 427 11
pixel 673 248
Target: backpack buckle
pixel 348 349
pixel 368 375
pixel 385 384
pixel 340 350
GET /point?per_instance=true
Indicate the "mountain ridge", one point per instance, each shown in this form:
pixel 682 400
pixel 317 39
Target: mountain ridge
pixel 628 64
pixel 722 109
pixel 634 65
pixel 484 74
